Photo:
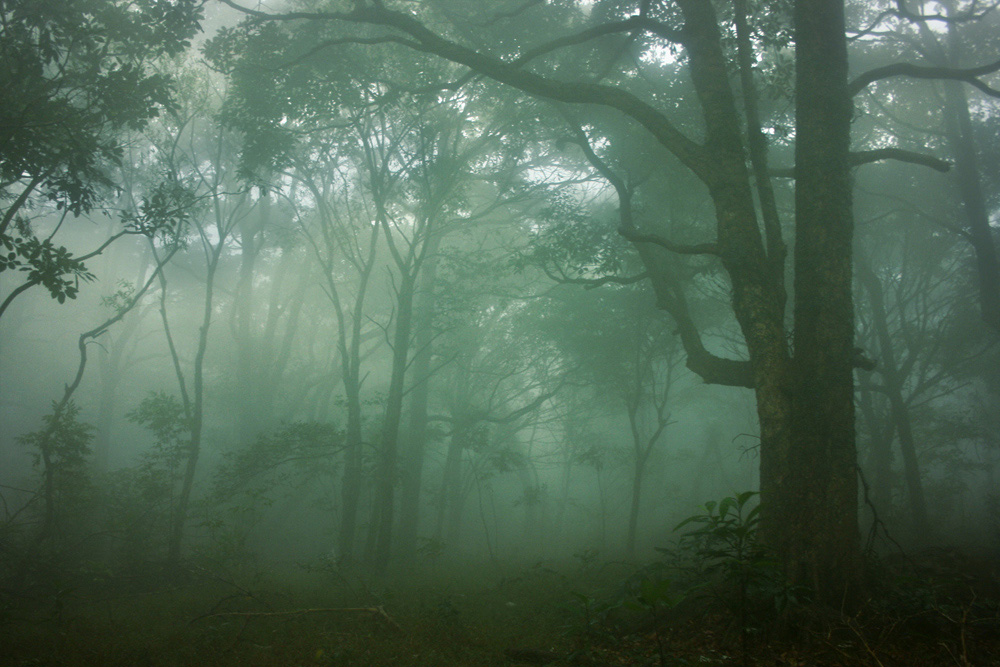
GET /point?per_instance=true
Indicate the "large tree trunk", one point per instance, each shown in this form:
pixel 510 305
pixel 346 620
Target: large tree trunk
pixel 818 496
pixel 959 124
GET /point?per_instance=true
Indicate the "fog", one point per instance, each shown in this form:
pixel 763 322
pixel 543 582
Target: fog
pixel 437 316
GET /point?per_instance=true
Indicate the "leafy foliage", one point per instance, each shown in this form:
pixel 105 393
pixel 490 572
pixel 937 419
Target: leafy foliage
pixel 53 267
pixel 731 565
pixel 61 446
pixel 76 73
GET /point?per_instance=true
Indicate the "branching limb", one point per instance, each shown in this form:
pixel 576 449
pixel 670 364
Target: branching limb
pixel 900 155
pixel 690 153
pixel 968 75
pixel 637 22
pixel 712 369
pixel 858 158
pixel 591 283
pixel 627 228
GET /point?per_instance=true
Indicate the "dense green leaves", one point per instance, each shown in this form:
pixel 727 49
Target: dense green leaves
pixel 75 74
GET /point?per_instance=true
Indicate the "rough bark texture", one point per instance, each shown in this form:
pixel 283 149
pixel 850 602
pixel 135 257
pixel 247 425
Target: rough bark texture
pixel 818 499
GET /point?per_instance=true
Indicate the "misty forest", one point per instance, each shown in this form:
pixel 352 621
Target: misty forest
pixel 524 332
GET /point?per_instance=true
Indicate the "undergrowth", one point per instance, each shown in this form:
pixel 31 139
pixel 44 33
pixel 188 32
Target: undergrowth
pixel 713 598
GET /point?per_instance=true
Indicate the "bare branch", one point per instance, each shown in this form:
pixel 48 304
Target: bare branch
pixel 966 75
pixel 679 248
pixel 628 25
pixel 859 158
pixel 901 155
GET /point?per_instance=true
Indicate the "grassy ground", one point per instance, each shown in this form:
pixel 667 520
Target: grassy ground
pixel 579 612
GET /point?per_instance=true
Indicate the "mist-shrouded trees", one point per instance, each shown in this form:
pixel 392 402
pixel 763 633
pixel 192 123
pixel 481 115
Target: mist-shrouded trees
pixel 431 259
pixel 805 401
pixel 800 363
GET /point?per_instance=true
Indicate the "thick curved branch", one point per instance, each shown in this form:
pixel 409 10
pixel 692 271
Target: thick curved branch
pixel 858 158
pixel 968 75
pixel 690 153
pixel 628 25
pixel 669 296
pixel 627 228
pixel 971 13
pixel 514 13
pixel 901 155
pixel 592 283
pixel 630 234
pixel 363 41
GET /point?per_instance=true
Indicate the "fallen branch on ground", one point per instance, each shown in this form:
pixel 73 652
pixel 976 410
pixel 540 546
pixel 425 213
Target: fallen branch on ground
pixel 375 611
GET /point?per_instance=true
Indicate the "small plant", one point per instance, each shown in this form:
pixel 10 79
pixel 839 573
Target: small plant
pixel 737 570
pixel 588 619
pixel 60 450
pixel 653 593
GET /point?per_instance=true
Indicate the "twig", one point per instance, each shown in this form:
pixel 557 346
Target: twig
pixel 375 611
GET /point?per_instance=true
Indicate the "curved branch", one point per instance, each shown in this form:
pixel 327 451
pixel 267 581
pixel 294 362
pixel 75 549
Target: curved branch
pixel 858 158
pixel 669 297
pixel 629 234
pixel 972 13
pixel 632 23
pixel 627 228
pixel 967 75
pixel 689 152
pixel 866 157
pixel 592 283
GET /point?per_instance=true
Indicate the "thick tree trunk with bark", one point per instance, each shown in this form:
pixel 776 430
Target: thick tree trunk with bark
pixel 819 496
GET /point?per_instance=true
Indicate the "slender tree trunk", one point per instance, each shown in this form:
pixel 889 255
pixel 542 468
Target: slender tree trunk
pixel 385 491
pixel 196 415
pixel 248 412
pixel 451 480
pixel 633 513
pixel 879 462
pixel 893 387
pixel 349 342
pixel 415 440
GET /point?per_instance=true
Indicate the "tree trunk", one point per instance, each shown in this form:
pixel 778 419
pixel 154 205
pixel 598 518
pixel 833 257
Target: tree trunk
pixel 633 512
pixel 388 454
pixel 963 148
pixel 416 435
pixel 816 490
pixel 893 388
pixel 248 352
pixel 879 461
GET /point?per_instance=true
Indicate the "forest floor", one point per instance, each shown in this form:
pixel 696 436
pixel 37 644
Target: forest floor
pixel 577 613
